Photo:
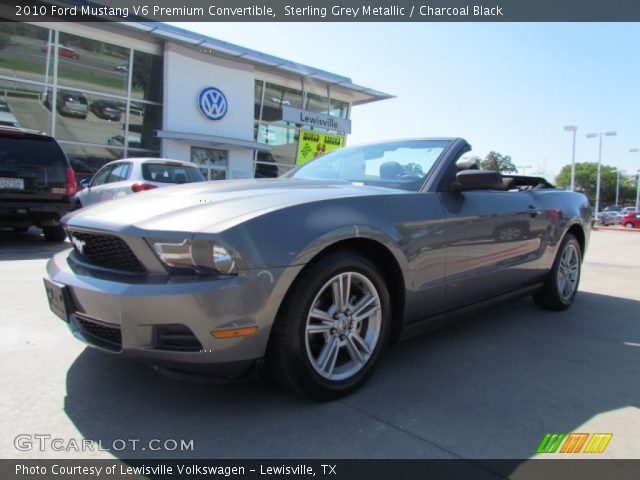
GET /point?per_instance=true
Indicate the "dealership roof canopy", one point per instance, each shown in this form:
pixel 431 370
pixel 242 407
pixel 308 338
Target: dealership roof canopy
pixel 169 32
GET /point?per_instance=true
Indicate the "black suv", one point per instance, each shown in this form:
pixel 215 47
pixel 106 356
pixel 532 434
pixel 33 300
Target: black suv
pixel 36 182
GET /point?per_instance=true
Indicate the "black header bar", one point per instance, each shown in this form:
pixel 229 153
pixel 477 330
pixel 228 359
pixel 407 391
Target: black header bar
pixel 323 11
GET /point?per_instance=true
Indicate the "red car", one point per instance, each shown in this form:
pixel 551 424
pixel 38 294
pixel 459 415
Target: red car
pixel 63 51
pixel 631 220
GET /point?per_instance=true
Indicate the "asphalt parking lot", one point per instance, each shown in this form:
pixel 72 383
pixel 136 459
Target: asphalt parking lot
pixel 489 386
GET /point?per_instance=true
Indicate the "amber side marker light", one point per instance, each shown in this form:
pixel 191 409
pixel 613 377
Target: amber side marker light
pixel 234 332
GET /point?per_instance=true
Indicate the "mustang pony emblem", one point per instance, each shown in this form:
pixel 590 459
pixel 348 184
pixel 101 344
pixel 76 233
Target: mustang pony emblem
pixel 78 244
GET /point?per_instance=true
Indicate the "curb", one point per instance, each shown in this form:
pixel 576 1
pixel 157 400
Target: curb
pixel 617 229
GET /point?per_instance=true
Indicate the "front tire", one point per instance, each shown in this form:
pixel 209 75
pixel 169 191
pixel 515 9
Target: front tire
pixel 628 225
pixel 332 328
pixel 561 285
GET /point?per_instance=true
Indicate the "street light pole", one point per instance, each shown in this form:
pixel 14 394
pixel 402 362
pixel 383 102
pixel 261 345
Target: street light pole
pixel 523 167
pixel 618 188
pixel 634 150
pixel 599 135
pixel 574 129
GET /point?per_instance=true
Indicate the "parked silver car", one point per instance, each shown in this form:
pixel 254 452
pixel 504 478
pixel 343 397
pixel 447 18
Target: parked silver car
pixel 120 178
pixel 317 271
pixel 609 218
pixel 73 104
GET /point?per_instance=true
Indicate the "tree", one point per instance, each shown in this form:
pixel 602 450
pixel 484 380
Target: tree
pixel 586 181
pixel 499 163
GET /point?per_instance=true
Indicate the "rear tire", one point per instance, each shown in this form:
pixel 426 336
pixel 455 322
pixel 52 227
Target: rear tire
pixel 332 328
pixel 561 285
pixel 54 234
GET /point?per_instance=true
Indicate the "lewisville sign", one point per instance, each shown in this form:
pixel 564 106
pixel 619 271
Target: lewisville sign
pixel 313 119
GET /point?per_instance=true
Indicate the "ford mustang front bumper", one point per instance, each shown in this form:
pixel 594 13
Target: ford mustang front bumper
pixel 202 324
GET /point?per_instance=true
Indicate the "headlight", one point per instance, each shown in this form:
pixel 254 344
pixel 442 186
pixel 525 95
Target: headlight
pixel 195 256
pixel 175 254
pixel 222 260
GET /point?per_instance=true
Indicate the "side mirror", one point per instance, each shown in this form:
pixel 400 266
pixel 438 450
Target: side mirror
pixel 85 182
pixel 478 180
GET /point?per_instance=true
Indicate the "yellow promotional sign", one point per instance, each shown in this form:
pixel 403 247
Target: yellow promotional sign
pixel 312 144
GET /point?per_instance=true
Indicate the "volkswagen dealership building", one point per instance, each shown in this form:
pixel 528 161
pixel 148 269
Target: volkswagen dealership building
pixel 115 90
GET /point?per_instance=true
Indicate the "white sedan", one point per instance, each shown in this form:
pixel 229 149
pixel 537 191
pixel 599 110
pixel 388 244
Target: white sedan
pixel 131 175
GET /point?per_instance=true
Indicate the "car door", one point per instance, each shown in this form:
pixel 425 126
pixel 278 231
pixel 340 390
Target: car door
pixel 494 242
pixel 421 231
pixel 110 182
pixel 91 194
pixel 117 184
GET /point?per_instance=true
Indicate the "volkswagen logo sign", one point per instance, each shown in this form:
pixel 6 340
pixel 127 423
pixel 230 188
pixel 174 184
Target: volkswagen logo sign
pixel 212 103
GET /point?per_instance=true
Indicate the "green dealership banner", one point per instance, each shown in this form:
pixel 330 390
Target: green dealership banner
pixel 312 144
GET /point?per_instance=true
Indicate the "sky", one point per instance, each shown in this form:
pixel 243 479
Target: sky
pixel 505 87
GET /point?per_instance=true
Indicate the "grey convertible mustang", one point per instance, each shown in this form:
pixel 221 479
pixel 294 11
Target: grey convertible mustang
pixel 317 271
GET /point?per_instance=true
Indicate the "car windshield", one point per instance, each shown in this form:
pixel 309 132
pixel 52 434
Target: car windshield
pixel 402 164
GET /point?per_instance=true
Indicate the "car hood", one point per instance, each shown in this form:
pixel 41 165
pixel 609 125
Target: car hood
pixel 211 206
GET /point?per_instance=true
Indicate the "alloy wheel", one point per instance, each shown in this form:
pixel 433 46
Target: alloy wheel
pixel 568 272
pixel 343 326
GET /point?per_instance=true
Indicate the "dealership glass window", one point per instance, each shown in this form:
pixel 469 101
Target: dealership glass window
pixel 93 87
pixel 146 79
pixel 72 109
pixel 317 103
pixel 266 167
pixel 277 96
pixel 24 51
pixel 86 159
pixel 327 106
pixel 89 64
pixel 283 140
pixel 338 108
pixel 87 118
pixel 213 162
pixel 275 133
pixel 257 98
pixel 144 121
pixel 108 112
pixel 24 102
pixel 140 153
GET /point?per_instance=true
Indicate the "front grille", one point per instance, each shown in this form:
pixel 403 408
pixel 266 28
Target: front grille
pixel 109 335
pixel 105 250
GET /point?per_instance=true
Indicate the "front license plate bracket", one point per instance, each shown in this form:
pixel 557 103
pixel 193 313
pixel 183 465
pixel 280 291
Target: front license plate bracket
pixel 58 297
